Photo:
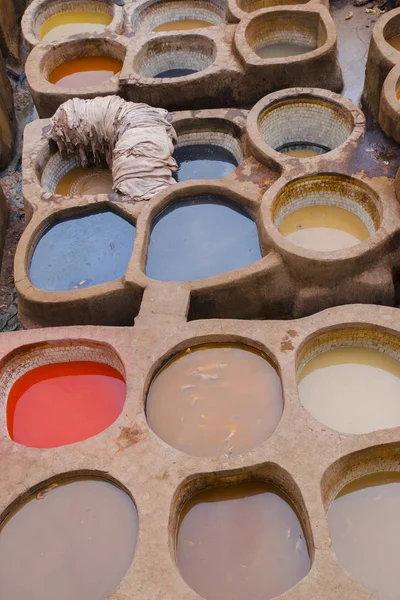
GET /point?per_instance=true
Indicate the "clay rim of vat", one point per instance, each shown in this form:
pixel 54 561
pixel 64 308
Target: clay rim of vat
pixel 141 10
pixel 267 155
pixel 389 105
pixel 18 362
pixel 236 13
pixel 30 26
pixel 172 38
pixel 360 251
pixel 379 36
pixel 136 270
pixel 37 228
pixel 105 44
pixel 249 56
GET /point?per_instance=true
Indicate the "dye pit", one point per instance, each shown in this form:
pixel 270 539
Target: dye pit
pixel 395 42
pixel 62 403
pixel 200 237
pixel 352 389
pixel 76 540
pixel 324 228
pixel 302 150
pixel 92 249
pixel 241 541
pixel 282 49
pixel 182 25
pixel 173 73
pixel 203 161
pixel 85 71
pixel 365 530
pixel 64 24
pixel 215 399
pixel 85 182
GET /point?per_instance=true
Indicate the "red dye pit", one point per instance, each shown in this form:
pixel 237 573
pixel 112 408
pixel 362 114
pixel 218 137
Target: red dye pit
pixel 63 403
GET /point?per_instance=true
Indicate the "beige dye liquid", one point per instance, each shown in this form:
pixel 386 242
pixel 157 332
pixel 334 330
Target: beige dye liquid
pixel 352 390
pixel 68 23
pixel 89 181
pixel 395 42
pixel 364 526
pixel 283 49
pixel 241 542
pixel 324 228
pixel 182 25
pixel 214 400
pixel 75 541
pixel 302 153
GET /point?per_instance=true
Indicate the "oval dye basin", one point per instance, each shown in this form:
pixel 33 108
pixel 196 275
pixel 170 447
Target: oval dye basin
pixel 200 237
pixel 63 403
pixel 241 541
pixel 365 530
pixel 352 389
pixel 85 182
pixel 203 161
pixel 73 541
pixel 82 251
pixel 215 399
pixel 324 228
pixel 64 24
pixel 85 71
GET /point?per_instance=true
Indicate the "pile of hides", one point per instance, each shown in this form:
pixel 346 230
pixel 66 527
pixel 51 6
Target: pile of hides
pixel 136 141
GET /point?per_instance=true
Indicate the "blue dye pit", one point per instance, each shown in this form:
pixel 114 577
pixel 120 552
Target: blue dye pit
pixel 171 73
pixel 203 161
pixel 201 237
pixel 82 251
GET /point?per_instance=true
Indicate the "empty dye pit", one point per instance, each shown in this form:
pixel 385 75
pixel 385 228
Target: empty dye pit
pixel 200 237
pixel 63 403
pixel 82 251
pixel 352 389
pixel 215 399
pixel 203 161
pixel 64 24
pixel 365 530
pixel 183 25
pixel 85 182
pixel 73 541
pixel 323 228
pixel 283 49
pixel 85 71
pixel 241 541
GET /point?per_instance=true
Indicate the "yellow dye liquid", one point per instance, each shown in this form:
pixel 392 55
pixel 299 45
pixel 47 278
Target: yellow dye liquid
pixel 85 71
pixel 81 182
pixel 300 153
pixel 352 389
pixel 324 228
pixel 68 23
pixel 183 25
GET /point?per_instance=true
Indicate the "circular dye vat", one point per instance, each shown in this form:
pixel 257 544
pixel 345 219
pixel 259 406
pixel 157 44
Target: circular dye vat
pixel 352 389
pixel 172 73
pixel 85 71
pixel 72 541
pixel 88 181
pixel 241 541
pixel 365 530
pixel 324 228
pixel 63 403
pixel 64 24
pixel 183 25
pixel 203 161
pixel 201 237
pixel 82 251
pixel 215 399
pixel 282 49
